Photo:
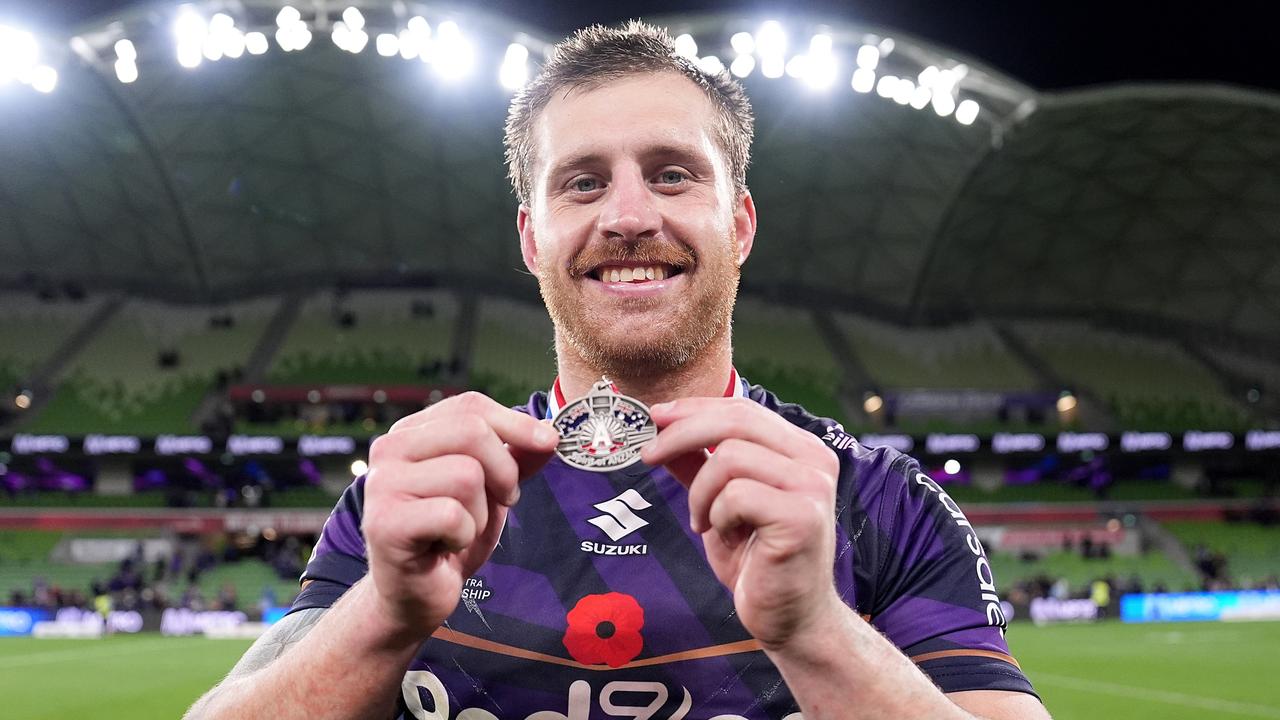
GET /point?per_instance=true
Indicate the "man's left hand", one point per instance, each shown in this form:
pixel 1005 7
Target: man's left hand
pixel 764 503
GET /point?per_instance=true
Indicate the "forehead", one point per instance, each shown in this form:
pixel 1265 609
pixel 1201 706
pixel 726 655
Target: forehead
pixel 626 115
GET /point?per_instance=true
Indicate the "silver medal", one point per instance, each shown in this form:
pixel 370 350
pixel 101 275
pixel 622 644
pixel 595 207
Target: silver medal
pixel 604 430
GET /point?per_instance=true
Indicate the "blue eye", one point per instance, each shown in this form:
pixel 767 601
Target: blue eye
pixel 585 184
pixel 672 177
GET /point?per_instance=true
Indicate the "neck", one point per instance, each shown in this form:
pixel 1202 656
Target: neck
pixel 703 376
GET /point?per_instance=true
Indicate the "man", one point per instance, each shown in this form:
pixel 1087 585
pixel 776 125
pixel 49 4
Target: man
pixel 746 569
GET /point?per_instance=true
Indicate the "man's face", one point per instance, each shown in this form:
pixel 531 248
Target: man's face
pixel 634 234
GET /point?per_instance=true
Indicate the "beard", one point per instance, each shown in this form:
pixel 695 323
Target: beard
pixel 698 318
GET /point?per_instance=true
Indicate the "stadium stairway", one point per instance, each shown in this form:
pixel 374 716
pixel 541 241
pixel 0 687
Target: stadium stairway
pixel 43 381
pixel 1093 411
pixel 260 359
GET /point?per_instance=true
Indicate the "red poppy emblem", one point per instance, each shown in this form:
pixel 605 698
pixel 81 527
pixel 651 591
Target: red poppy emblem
pixel 605 629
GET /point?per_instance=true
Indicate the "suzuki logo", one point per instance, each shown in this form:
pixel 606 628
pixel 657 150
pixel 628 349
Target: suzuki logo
pixel 620 519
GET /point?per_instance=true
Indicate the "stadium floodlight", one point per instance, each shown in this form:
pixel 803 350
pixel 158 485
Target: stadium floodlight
pixel 742 65
pixel 887 85
pixel 820 71
pixel 387 45
pixel 189 27
pixel 687 46
pixel 256 43
pixel 967 112
pixel 711 65
pixel 743 43
pixel 348 38
pixel 190 56
pixel 44 79
pixel 864 80
pixel 287 17
pixel 452 55
pixel 191 31
pixel 126 71
pixel 820 44
pixel 514 72
pixel 945 81
pixel 771 39
pixel 340 34
pixel 797 66
pixel 213 48
pixel 951 467
pixel 868 57
pixel 772 66
pixel 408 44
pixel 125 50
pixel 927 76
pixel 359 467
pixel 903 91
pixel 943 103
pixel 221 23
pixel 353 18
pixel 920 97
pixel 233 43
pixel 885 46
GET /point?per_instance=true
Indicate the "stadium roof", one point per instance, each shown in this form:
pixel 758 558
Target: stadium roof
pixel 1140 205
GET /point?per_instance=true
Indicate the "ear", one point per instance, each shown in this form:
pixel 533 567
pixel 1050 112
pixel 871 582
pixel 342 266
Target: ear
pixel 744 224
pixel 528 248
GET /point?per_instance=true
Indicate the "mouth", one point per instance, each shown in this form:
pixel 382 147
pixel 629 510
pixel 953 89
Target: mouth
pixel 634 274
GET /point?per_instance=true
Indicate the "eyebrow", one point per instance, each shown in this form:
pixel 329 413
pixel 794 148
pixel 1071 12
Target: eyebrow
pixel 689 153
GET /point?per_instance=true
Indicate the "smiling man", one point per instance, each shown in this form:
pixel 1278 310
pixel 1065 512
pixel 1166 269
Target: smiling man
pixel 758 562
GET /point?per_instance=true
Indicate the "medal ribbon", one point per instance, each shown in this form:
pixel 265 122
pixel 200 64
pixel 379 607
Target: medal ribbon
pixel 736 387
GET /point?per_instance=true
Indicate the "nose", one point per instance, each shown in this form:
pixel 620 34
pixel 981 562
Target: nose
pixel 629 210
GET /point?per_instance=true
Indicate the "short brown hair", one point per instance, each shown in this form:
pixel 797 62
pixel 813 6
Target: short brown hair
pixel 595 55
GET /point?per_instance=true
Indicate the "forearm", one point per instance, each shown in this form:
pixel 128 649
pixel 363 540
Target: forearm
pixel 846 670
pixel 350 665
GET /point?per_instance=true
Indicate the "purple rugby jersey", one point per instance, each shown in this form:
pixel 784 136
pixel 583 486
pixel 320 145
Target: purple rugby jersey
pixel 599 603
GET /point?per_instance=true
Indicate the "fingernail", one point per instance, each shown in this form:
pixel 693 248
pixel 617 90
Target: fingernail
pixel 515 496
pixel 663 407
pixel 545 435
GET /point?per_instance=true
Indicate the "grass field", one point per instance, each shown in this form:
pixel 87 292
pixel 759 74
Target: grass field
pixel 1165 672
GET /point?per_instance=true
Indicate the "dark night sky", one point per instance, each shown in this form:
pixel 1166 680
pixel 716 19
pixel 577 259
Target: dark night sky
pixel 1048 45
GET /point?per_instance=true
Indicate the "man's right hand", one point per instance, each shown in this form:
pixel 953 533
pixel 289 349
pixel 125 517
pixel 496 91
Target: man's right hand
pixel 436 498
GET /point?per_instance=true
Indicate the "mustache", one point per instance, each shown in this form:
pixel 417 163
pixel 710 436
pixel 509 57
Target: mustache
pixel 646 251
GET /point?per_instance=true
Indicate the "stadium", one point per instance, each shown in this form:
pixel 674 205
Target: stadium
pixel 240 239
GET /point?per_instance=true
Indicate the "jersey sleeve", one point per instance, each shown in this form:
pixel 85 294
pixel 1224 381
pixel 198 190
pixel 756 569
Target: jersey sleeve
pixel 339 558
pixel 935 591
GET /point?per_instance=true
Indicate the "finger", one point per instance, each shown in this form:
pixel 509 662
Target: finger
pixel 516 428
pixel 460 477
pixel 780 519
pixel 696 423
pixel 425 525
pixel 741 459
pixel 463 435
pixel 528 462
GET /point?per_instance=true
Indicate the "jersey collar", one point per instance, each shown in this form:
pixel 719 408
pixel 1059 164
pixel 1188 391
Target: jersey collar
pixel 736 387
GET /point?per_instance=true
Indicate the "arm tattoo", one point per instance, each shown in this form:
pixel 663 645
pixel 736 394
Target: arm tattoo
pixel 286 633
pixel 275 642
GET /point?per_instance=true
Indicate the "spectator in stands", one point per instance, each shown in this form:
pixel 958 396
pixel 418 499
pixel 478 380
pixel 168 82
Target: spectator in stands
pixel 227 598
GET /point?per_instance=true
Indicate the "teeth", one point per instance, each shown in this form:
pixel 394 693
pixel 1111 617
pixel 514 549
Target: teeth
pixel 633 274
